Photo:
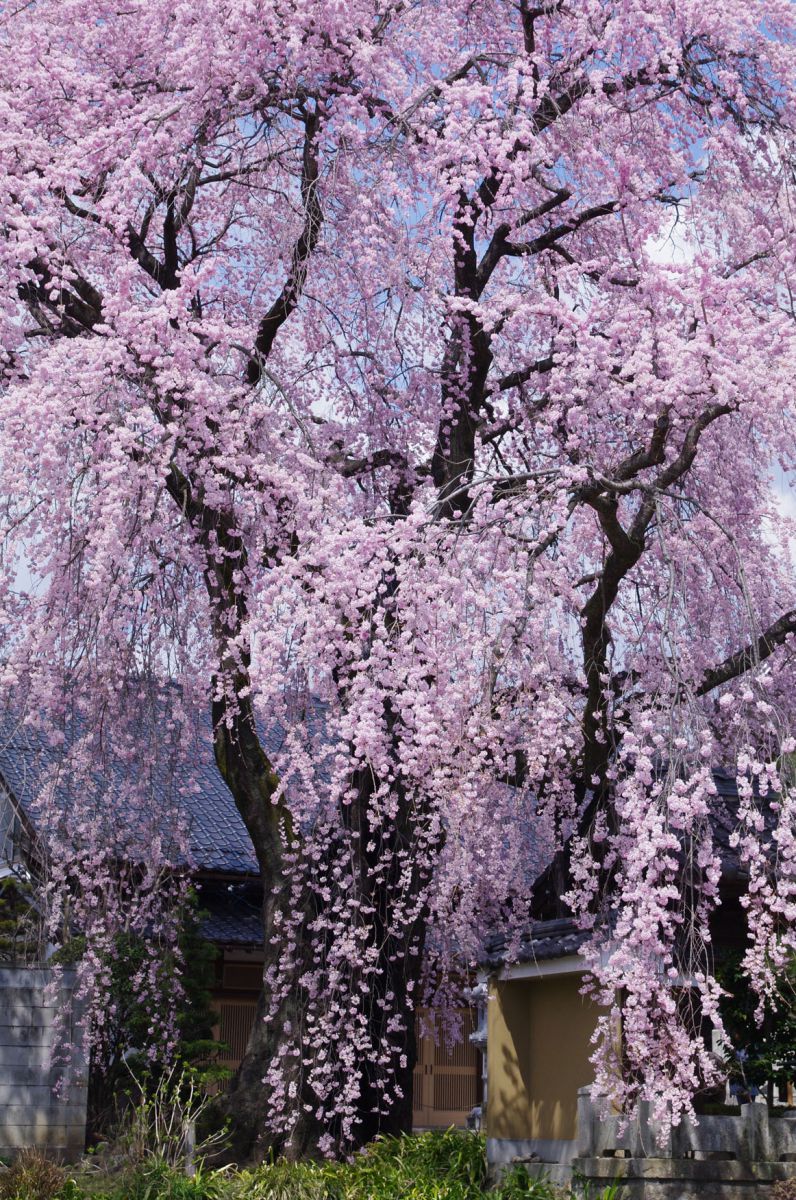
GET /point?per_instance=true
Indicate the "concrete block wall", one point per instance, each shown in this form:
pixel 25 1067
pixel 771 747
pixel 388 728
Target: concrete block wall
pixel 31 1114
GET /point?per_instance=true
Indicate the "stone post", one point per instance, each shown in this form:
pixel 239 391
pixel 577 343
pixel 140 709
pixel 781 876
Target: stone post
pixel 757 1133
pixel 640 1132
pixel 190 1148
pixel 586 1145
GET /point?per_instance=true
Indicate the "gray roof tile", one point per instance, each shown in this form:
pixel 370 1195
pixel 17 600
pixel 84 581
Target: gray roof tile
pixel 194 792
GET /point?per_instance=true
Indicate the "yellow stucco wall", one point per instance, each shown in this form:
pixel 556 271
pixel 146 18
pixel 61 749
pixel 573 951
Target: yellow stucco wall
pixel 538 1049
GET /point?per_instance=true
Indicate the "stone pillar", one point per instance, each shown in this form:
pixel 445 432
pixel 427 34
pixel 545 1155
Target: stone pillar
pixel 648 1138
pixel 479 997
pixel 586 1145
pixel 757 1133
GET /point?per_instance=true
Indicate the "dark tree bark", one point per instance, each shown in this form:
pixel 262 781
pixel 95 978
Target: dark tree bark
pixel 252 782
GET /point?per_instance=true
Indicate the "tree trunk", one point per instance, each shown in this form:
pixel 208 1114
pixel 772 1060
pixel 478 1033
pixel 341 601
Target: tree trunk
pixel 279 1019
pixel 253 783
pixel 249 1103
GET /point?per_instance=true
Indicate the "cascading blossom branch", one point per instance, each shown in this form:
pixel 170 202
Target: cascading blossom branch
pixel 95 908
pixel 418 377
pixel 649 953
pixel 111 862
pixel 649 891
pixel 437 755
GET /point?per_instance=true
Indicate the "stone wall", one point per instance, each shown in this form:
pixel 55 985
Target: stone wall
pixel 751 1135
pixel 30 1112
pixel 721 1158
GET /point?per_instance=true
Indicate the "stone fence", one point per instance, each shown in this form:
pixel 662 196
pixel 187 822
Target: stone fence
pixel 31 1114
pixel 753 1134
pixel 721 1158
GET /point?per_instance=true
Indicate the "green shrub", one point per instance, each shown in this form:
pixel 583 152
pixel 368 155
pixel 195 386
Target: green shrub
pixel 445 1164
pixel 585 1190
pixel 519 1184
pixel 427 1166
pixel 111 1089
pixel 288 1181
pixel 156 1180
pixel 157 1122
pixel 20 921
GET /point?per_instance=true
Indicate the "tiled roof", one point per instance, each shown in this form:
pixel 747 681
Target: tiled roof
pixel 190 789
pixel 220 844
pixel 232 916
pixel 189 786
pixel 232 928
pixel 542 940
pixel 195 791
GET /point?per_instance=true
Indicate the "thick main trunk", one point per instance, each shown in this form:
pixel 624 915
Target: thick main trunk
pixel 280 1019
pixel 253 783
pixel 249 1102
pixel 277 1026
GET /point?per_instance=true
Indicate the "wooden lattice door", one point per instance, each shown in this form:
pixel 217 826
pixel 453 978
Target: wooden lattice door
pixel 235 1020
pixel 445 1083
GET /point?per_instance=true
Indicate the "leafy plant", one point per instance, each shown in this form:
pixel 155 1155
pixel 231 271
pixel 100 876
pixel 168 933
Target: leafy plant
pixel 161 1125
pixel 761 1053
pixel 156 1179
pixel 290 1181
pixel 450 1156
pixel 585 1189
pixel 20 923
pixel 427 1166
pixel 130 1036
pixel 611 1190
pixel 519 1184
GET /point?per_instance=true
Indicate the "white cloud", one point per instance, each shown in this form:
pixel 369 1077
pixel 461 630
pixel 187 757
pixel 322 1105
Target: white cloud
pixel 673 246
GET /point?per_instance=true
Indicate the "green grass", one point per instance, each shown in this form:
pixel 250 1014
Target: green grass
pixel 426 1166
